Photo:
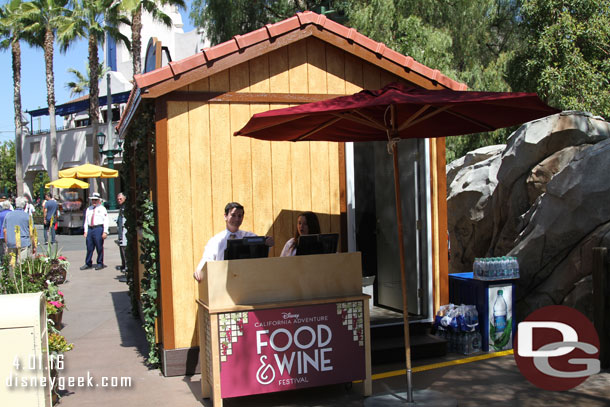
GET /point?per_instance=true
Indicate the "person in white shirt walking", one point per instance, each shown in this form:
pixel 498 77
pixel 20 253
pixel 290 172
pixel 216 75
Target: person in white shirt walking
pixel 215 249
pixel 96 231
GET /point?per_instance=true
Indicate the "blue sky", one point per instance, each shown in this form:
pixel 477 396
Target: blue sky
pixel 33 85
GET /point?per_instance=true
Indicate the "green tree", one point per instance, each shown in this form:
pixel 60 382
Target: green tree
pixel 81 83
pixel 7 167
pixel 40 180
pixel 435 33
pixel 42 18
pixel 11 28
pixel 566 55
pixel 223 19
pixel 92 19
pixel 134 8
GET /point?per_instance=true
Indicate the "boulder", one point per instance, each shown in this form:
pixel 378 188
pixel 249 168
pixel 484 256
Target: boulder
pixel 544 172
pixel 545 198
pixel 469 196
pixel 472 158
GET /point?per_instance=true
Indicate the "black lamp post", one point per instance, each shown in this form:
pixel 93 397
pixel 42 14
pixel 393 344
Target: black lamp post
pixel 110 154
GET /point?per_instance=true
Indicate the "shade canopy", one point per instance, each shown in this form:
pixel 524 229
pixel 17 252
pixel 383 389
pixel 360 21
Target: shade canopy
pixel 66 183
pixel 418 113
pixel 88 171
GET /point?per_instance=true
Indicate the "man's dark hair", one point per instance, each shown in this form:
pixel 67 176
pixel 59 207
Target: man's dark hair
pixel 233 205
pixel 48 195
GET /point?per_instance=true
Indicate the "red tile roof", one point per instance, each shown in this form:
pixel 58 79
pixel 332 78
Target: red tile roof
pixel 148 81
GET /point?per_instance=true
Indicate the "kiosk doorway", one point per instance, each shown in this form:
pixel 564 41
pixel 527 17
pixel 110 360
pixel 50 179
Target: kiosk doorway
pixel 375 223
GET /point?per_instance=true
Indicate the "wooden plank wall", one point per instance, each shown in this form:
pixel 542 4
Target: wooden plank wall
pixel 208 167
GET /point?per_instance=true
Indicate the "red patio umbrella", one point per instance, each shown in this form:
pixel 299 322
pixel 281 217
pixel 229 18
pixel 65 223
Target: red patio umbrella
pixel 392 113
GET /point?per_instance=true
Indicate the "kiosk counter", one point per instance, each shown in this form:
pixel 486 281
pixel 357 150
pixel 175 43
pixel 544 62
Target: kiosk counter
pixel 282 323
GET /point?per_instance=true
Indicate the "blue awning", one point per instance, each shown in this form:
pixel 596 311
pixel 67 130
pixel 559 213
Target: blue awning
pixel 79 106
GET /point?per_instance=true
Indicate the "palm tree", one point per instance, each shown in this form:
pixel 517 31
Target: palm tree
pixel 41 21
pixel 135 7
pixel 10 34
pixel 81 84
pixel 92 19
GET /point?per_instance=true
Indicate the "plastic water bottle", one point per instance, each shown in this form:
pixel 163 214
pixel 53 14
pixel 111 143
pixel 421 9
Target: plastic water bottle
pixel 462 343
pixel 484 268
pixel 495 268
pixel 505 267
pixel 515 268
pixel 475 342
pixel 500 314
pixel 474 319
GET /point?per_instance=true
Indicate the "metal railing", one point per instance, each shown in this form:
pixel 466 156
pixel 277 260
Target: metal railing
pixel 47 131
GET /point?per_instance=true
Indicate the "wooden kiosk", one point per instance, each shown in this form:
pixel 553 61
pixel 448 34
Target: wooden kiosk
pixel 282 323
pixel 197 166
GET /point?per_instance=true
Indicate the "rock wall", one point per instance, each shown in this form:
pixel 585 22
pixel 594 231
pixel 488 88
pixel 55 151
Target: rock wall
pixel 544 197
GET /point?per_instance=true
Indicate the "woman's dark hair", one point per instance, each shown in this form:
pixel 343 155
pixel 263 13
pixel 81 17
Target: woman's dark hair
pixel 313 224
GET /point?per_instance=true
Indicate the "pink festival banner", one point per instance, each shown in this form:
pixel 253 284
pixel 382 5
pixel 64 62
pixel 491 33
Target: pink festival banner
pixel 291 348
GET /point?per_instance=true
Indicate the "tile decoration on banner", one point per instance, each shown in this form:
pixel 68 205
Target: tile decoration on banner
pixel 231 327
pixel 352 316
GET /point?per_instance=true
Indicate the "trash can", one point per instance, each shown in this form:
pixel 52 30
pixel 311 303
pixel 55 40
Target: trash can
pixel 24 363
pixel 494 301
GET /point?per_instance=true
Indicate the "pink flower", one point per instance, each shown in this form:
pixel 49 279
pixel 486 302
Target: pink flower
pixel 57 304
pixel 61 258
pixel 60 293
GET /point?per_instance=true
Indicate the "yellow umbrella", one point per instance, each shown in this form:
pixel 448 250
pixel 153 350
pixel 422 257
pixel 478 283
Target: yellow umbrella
pixel 88 171
pixel 66 183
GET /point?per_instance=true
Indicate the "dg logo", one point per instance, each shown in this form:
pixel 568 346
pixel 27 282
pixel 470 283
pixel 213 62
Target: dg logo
pixel 557 348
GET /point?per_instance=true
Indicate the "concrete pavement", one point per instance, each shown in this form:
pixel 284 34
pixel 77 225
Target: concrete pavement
pixel 109 348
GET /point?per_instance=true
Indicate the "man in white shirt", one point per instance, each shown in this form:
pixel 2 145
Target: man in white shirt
pixel 215 249
pixel 96 231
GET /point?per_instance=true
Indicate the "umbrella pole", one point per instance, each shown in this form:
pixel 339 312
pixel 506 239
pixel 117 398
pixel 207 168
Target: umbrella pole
pixel 403 277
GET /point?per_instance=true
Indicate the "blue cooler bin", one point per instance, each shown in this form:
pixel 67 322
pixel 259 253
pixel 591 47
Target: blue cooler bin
pixel 464 289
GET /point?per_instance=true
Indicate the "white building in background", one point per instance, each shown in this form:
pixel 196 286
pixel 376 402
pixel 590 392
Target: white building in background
pixel 75 138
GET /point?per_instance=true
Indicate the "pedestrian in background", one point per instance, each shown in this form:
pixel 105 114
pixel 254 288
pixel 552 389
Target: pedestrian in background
pixel 96 231
pixel 3 198
pixel 20 245
pixel 29 207
pixel 50 212
pixel 5 209
pixel 121 230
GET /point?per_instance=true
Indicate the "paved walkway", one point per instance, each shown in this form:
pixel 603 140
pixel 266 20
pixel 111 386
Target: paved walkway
pixel 109 343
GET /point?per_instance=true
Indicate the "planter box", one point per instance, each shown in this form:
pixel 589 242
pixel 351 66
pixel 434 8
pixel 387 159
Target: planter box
pixel 56 318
